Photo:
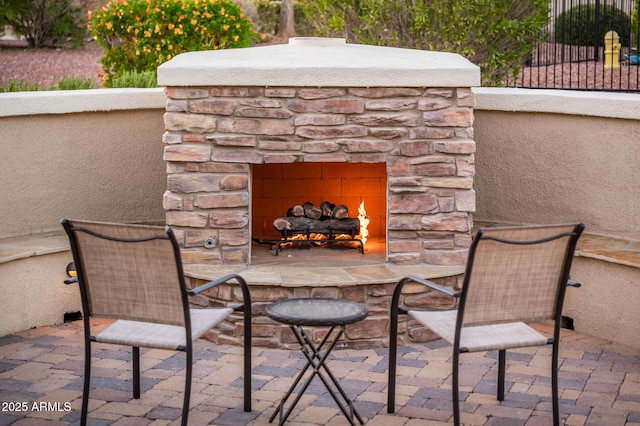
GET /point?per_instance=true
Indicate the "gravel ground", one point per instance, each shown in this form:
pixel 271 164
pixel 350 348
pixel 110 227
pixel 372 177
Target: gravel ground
pixel 18 62
pixel 44 65
pixel 581 75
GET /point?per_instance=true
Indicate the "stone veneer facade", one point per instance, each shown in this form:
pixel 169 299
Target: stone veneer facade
pixel 423 135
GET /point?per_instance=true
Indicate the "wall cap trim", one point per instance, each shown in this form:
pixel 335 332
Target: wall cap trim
pixel 594 104
pixel 73 101
pixel 572 102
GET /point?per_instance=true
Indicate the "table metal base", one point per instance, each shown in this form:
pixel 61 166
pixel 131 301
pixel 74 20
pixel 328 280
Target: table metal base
pixel 316 359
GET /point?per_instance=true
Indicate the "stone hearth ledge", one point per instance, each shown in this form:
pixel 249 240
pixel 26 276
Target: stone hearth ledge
pixel 320 276
pixel 608 249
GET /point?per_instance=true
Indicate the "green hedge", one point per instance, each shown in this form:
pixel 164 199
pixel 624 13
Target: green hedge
pixel 140 35
pixel 45 23
pixel 64 83
pixel 577 26
pixel 497 35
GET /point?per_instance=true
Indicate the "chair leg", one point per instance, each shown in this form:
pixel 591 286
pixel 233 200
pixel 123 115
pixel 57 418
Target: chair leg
pixel 393 354
pixel 247 358
pixel 187 387
pixel 87 381
pixel 135 355
pixel 554 383
pixel 502 355
pixel 455 386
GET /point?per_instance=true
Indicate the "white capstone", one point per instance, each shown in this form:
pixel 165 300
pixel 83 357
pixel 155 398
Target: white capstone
pixel 72 101
pixel 319 62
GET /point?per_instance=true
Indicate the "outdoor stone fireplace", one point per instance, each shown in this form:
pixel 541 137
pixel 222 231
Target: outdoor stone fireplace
pixel 321 101
pixel 250 132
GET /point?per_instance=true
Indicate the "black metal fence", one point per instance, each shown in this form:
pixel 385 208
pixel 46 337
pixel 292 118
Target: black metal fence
pixel 582 53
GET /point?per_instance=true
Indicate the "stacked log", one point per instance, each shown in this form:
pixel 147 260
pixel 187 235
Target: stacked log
pixel 326 210
pixel 327 219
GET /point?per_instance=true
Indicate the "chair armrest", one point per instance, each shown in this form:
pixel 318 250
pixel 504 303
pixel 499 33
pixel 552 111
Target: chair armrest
pixel 71 280
pixel 572 283
pixel 446 290
pixel 395 298
pixel 211 284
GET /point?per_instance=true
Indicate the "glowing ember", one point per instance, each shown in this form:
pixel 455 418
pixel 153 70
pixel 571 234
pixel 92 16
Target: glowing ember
pixel 364 223
pixel 317 238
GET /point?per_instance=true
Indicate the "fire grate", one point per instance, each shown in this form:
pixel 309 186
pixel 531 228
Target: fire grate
pixel 320 241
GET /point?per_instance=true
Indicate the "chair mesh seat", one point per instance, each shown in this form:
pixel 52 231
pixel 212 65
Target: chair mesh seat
pixel 481 337
pixel 162 336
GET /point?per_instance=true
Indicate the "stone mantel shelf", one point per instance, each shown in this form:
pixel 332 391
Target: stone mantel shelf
pixel 320 276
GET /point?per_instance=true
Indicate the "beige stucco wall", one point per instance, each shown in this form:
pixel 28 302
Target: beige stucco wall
pixel 548 158
pixel 82 154
pixel 101 163
pixel 606 305
pixel 33 293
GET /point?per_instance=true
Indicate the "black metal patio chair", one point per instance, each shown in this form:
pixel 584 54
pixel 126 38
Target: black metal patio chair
pixel 513 276
pixel 134 274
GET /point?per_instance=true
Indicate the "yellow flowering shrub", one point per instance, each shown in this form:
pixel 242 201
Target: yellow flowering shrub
pixel 139 35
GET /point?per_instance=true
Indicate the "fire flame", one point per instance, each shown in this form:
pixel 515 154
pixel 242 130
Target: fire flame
pixel 364 223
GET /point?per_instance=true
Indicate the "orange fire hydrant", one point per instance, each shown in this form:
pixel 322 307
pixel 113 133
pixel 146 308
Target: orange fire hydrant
pixel 611 50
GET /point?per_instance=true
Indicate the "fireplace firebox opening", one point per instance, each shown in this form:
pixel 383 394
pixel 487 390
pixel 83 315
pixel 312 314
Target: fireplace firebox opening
pixel 348 188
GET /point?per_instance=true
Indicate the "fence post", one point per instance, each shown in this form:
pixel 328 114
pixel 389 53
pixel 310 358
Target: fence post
pixel 596 41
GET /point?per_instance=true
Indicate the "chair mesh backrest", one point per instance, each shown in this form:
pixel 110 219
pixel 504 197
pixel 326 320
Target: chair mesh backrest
pixel 513 283
pixel 138 281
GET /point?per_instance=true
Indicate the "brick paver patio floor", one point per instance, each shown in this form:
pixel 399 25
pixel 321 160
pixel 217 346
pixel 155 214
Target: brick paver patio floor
pixel 41 374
